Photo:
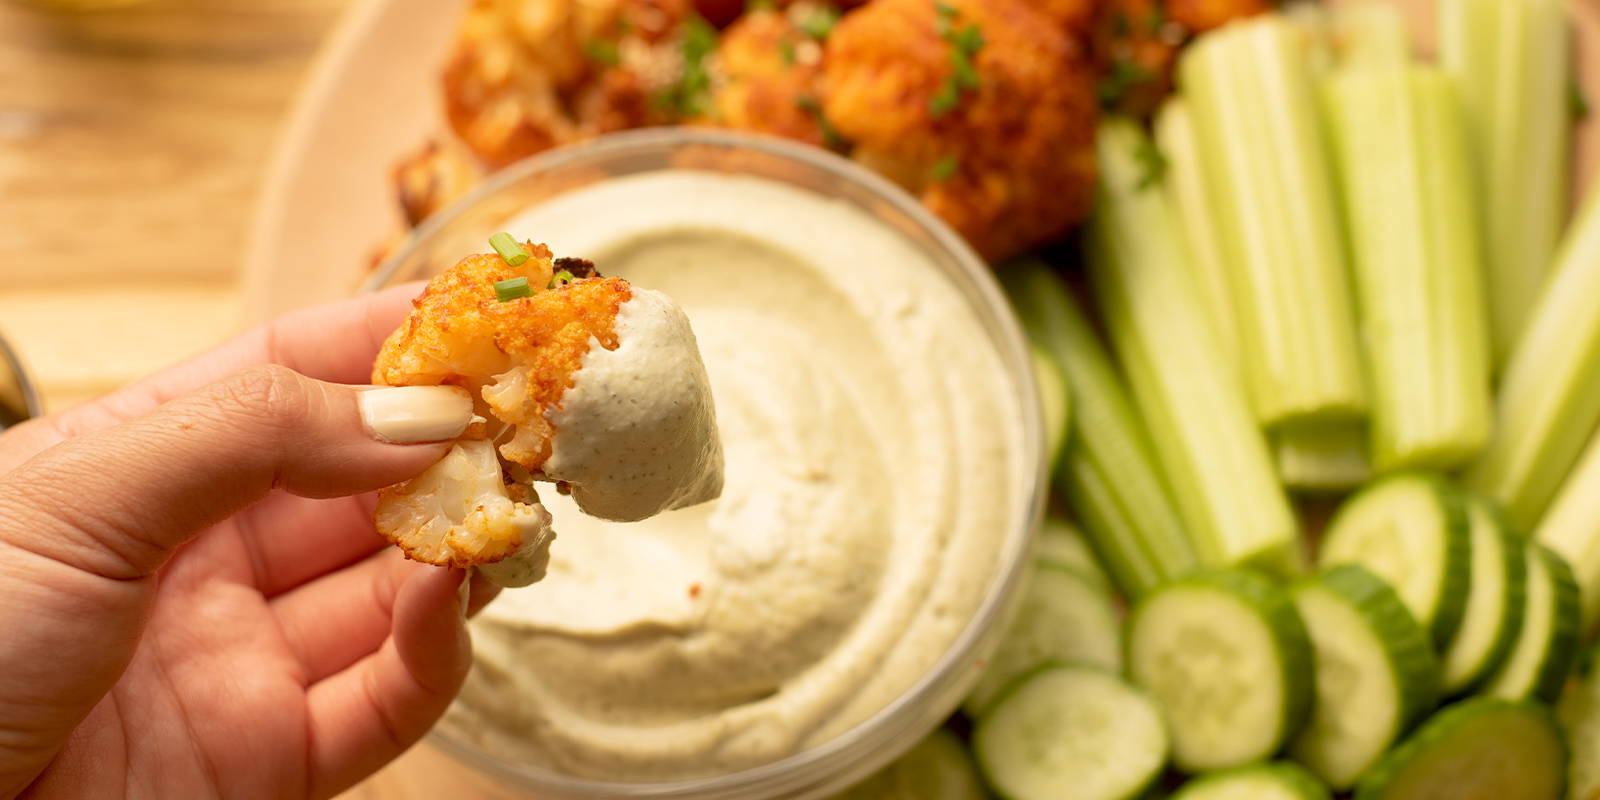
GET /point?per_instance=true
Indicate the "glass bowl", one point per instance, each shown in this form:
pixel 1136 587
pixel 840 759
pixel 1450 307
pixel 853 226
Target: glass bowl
pixel 839 762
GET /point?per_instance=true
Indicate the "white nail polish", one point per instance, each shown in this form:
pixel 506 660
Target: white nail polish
pixel 410 414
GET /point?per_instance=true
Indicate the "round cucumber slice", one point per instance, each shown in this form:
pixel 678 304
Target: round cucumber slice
pixel 1062 618
pixel 1070 732
pixel 1062 545
pixel 1579 713
pixel 1547 646
pixel 937 768
pixel 1412 530
pixel 1375 672
pixel 1279 781
pixel 1227 658
pixel 1493 614
pixel 1478 749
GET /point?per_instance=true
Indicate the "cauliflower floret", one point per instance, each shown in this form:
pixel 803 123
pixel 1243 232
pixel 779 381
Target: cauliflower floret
pixel 460 513
pixel 770 74
pixel 588 383
pixel 984 108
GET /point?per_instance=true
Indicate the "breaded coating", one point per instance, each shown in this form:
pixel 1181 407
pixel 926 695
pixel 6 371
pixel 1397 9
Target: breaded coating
pixel 1199 16
pixel 1076 17
pixel 434 177
pixel 518 356
pixel 1004 155
pixel 527 75
pixel 770 77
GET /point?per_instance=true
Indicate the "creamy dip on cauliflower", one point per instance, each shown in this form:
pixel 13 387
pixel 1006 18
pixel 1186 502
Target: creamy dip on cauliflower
pixel 873 474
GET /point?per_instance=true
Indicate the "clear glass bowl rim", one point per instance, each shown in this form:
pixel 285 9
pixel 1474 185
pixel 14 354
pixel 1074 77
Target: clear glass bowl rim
pixel 980 288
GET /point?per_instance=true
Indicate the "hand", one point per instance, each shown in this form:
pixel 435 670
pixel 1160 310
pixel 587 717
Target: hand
pixel 181 617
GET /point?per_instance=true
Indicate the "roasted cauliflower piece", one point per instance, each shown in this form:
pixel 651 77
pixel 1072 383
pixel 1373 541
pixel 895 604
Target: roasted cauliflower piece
pixel 584 381
pixel 527 75
pixel 460 513
pixel 984 108
pixel 769 67
pixel 434 177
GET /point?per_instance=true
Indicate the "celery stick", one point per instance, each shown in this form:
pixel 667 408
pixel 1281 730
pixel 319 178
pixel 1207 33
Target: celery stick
pixel 1408 198
pixel 1512 62
pixel 1369 34
pixel 1108 472
pixel 1549 398
pixel 1197 214
pixel 1250 91
pixel 1323 460
pixel 1572 529
pixel 1214 456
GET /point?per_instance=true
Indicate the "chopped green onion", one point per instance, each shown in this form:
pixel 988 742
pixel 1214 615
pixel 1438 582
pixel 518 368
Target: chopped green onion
pixel 945 168
pixel 965 44
pixel 602 52
pixel 508 249
pixel 561 278
pixel 786 52
pixel 512 288
pixel 831 138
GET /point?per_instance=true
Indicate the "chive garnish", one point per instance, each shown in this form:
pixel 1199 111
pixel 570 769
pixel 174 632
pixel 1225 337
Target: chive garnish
pixel 508 248
pixel 965 43
pixel 561 278
pixel 819 23
pixel 512 288
pixel 945 168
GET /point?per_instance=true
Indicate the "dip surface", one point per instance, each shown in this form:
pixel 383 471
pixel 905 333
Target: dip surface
pixel 874 467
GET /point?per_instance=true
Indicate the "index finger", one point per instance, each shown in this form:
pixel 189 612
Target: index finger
pixel 334 342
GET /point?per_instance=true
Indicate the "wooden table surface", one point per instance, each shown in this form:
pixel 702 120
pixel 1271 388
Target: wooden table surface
pixel 132 144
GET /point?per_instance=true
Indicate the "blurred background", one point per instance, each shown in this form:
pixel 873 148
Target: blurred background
pixel 132 144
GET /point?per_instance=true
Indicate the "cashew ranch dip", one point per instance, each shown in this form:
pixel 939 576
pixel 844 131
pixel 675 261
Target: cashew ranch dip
pixel 873 458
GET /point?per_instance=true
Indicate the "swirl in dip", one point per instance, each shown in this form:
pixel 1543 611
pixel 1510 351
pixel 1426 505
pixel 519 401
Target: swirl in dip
pixel 873 446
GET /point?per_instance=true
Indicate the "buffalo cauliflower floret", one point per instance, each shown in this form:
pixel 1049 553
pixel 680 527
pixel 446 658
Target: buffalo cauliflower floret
pixel 984 108
pixel 460 513
pixel 581 380
pixel 769 66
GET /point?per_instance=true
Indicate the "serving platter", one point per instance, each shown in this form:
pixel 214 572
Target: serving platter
pixel 373 96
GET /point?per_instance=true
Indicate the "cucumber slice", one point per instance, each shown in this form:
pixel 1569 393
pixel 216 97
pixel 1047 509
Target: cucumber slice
pixel 1056 402
pixel 1227 658
pixel 1579 712
pixel 1411 529
pixel 1375 672
pixel 1493 614
pixel 1478 749
pixel 1280 781
pixel 1545 649
pixel 937 768
pixel 1071 732
pixel 1063 617
pixel 1062 545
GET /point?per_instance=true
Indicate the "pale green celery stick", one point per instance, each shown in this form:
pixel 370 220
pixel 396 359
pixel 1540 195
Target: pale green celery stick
pixel 1418 270
pixel 1549 397
pixel 1206 440
pixel 1197 214
pixel 1250 92
pixel 1572 529
pixel 1108 472
pixel 1369 34
pixel 1512 60
pixel 1323 459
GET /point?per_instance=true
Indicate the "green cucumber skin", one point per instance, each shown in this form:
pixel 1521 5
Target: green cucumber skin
pixel 1016 685
pixel 1566 639
pixel 1287 774
pixel 1453 588
pixel 1374 784
pixel 1411 656
pixel 1516 578
pixel 1282 619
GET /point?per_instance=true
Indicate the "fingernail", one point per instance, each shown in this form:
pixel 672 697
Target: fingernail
pixel 411 414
